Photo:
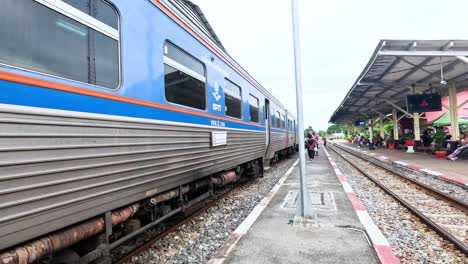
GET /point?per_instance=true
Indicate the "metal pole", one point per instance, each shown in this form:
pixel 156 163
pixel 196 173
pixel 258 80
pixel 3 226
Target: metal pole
pixel 303 205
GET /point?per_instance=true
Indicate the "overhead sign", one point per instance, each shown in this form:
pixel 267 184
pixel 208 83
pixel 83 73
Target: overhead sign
pixel 423 103
pixel 360 123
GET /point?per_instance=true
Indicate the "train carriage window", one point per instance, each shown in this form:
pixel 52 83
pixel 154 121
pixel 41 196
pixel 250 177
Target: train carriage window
pixel 272 118
pixel 253 108
pixel 184 78
pixel 278 119
pixel 98 9
pixel 283 122
pixel 233 99
pixel 105 14
pixel 37 37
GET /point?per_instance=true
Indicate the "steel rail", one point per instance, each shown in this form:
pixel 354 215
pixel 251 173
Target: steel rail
pixel 214 200
pixel 442 232
pixel 450 199
pixel 127 259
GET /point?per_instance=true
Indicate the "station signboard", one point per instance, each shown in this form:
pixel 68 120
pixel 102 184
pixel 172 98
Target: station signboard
pixel 423 103
pixel 360 123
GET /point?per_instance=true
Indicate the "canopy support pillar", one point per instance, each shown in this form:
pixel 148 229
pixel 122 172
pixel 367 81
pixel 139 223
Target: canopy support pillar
pixel 395 124
pixel 382 129
pixel 416 130
pixel 454 112
pixel 371 136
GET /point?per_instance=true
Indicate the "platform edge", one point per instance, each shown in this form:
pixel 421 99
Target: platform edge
pixel 223 252
pixel 379 242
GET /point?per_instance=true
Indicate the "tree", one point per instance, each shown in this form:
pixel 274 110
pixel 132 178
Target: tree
pixel 308 130
pixel 336 129
pixel 323 133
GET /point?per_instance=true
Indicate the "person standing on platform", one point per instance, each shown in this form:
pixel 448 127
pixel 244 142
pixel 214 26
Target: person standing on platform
pixel 324 139
pixel 358 140
pixel 311 144
pixel 316 137
pixel 426 138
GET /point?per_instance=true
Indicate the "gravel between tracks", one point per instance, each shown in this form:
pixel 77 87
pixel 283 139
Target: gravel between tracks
pixel 412 241
pixel 198 240
pixel 450 188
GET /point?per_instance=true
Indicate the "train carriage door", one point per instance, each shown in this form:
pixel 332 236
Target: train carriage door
pixel 267 124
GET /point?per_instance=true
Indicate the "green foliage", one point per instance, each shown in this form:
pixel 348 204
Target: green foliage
pixel 439 138
pixel 464 129
pixel 323 133
pixel 388 129
pixel 336 129
pixel 308 130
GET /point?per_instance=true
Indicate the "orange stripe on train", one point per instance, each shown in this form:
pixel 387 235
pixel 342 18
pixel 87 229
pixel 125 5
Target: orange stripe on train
pixel 73 89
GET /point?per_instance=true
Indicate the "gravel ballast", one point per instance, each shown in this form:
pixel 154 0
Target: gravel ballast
pixel 198 240
pixel 455 190
pixel 412 241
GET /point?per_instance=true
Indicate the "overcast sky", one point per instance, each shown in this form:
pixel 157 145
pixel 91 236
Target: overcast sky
pixel 337 40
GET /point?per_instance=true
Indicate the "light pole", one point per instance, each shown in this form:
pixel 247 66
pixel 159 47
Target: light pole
pixel 303 206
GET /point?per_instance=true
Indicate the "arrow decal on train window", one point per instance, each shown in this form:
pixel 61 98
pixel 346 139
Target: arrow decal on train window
pixel 216 94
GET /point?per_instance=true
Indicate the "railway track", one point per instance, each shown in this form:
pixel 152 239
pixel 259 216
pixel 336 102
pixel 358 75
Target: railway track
pixel 211 202
pixel 176 224
pixel 446 215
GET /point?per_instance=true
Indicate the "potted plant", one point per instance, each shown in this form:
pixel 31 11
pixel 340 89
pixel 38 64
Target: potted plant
pixel 389 142
pixel 409 142
pixel 439 138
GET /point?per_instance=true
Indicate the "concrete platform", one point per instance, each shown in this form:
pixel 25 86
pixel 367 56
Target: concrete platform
pixel 333 235
pixel 456 171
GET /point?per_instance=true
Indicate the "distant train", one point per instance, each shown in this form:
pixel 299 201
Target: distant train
pixel 109 104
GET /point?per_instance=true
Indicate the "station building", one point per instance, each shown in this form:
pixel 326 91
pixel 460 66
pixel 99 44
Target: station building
pixel 399 68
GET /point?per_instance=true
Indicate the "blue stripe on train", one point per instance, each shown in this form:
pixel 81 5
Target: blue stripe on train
pixel 25 95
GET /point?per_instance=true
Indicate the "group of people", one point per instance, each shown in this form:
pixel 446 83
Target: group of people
pixel 461 149
pixel 312 144
pixel 362 140
pixel 427 141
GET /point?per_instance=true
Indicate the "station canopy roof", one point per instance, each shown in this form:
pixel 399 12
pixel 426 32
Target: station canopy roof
pixel 395 68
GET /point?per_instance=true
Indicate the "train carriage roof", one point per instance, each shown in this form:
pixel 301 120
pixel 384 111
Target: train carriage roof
pixel 197 20
pixel 196 16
